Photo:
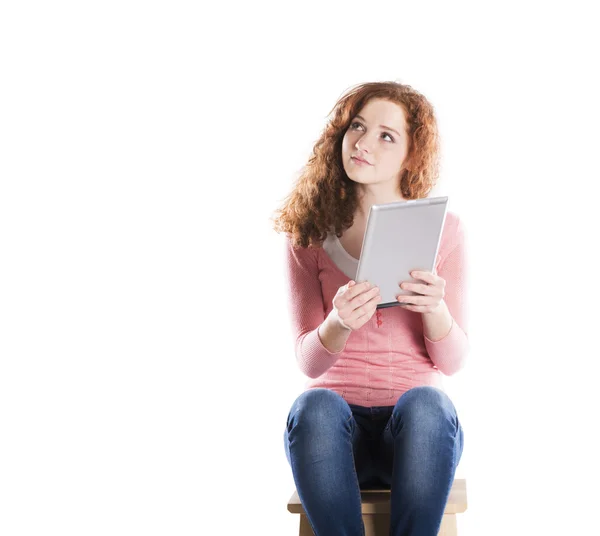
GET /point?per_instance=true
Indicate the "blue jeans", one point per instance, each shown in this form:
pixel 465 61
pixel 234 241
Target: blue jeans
pixel 335 449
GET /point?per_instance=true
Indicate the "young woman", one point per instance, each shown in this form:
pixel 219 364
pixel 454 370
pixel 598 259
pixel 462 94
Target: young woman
pixel 374 413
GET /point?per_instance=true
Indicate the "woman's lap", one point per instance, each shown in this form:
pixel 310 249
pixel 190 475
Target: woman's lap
pixel 373 429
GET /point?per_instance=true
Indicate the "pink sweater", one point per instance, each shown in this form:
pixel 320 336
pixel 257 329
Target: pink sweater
pixel 389 354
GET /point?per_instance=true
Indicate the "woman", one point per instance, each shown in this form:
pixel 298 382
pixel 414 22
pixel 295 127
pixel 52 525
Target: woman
pixel 374 413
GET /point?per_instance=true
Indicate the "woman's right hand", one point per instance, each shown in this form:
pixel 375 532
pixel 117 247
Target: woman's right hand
pixel 354 304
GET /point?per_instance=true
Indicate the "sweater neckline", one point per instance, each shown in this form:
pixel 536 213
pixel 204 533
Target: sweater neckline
pixel 342 249
pixel 332 263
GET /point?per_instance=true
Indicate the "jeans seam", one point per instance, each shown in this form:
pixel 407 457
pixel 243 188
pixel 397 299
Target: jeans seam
pixel 353 427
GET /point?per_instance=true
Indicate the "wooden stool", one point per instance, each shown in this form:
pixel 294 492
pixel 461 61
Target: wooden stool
pixel 376 511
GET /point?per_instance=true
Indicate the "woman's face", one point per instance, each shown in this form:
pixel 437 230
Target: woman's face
pixel 378 135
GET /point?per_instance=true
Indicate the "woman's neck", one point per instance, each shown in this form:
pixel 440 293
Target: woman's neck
pixel 368 198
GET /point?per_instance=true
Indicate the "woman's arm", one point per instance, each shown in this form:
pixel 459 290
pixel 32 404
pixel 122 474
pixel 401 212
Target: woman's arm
pixel 333 335
pixel 319 341
pixel 445 330
pixel 437 324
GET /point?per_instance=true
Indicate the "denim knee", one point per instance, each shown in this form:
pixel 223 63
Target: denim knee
pixel 318 419
pixel 424 407
pixel 318 409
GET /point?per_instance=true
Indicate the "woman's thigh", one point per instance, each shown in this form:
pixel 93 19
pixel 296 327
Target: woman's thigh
pixel 321 421
pixel 423 415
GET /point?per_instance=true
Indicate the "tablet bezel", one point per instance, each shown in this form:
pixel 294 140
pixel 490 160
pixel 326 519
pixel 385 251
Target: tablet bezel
pixel 412 212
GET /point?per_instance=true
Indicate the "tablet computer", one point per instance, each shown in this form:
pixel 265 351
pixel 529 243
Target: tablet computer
pixel 399 238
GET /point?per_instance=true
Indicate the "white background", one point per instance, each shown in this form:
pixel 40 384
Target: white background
pixel 147 364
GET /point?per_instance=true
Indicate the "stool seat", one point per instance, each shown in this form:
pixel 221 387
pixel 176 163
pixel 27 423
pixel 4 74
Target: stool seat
pixel 375 505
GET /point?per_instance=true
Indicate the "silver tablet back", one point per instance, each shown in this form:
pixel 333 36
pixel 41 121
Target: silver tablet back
pixel 399 238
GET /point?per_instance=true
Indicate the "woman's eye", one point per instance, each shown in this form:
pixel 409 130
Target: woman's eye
pixel 354 125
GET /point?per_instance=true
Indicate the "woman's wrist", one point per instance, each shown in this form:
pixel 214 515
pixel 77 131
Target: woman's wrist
pixel 334 333
pixel 335 318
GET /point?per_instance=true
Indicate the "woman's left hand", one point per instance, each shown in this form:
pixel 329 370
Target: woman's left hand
pixel 430 293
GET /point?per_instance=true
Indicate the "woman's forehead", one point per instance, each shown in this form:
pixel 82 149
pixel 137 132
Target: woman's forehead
pixel 383 113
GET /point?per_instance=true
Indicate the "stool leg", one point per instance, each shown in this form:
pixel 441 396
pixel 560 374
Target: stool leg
pixel 305 528
pixel 376 524
pixel 448 526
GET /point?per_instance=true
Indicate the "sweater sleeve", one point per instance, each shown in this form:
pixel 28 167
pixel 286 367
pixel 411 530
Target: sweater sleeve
pixel 449 353
pixel 307 310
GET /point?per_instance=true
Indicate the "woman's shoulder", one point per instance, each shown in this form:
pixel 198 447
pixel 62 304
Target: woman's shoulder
pixel 294 250
pixel 291 243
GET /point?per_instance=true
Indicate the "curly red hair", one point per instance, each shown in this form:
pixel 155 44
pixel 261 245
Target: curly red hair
pixel 324 197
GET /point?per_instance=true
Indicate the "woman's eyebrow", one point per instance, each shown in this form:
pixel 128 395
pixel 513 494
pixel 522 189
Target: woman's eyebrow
pixel 382 126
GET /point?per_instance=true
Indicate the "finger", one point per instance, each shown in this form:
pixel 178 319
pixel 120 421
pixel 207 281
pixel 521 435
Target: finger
pixel 426 290
pixel 361 299
pixel 422 275
pixel 428 277
pixel 368 305
pixel 416 300
pixel 343 289
pixel 338 299
pixel 367 309
pixel 362 319
pixel 355 290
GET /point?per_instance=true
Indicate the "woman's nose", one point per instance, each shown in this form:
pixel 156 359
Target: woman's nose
pixel 362 144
